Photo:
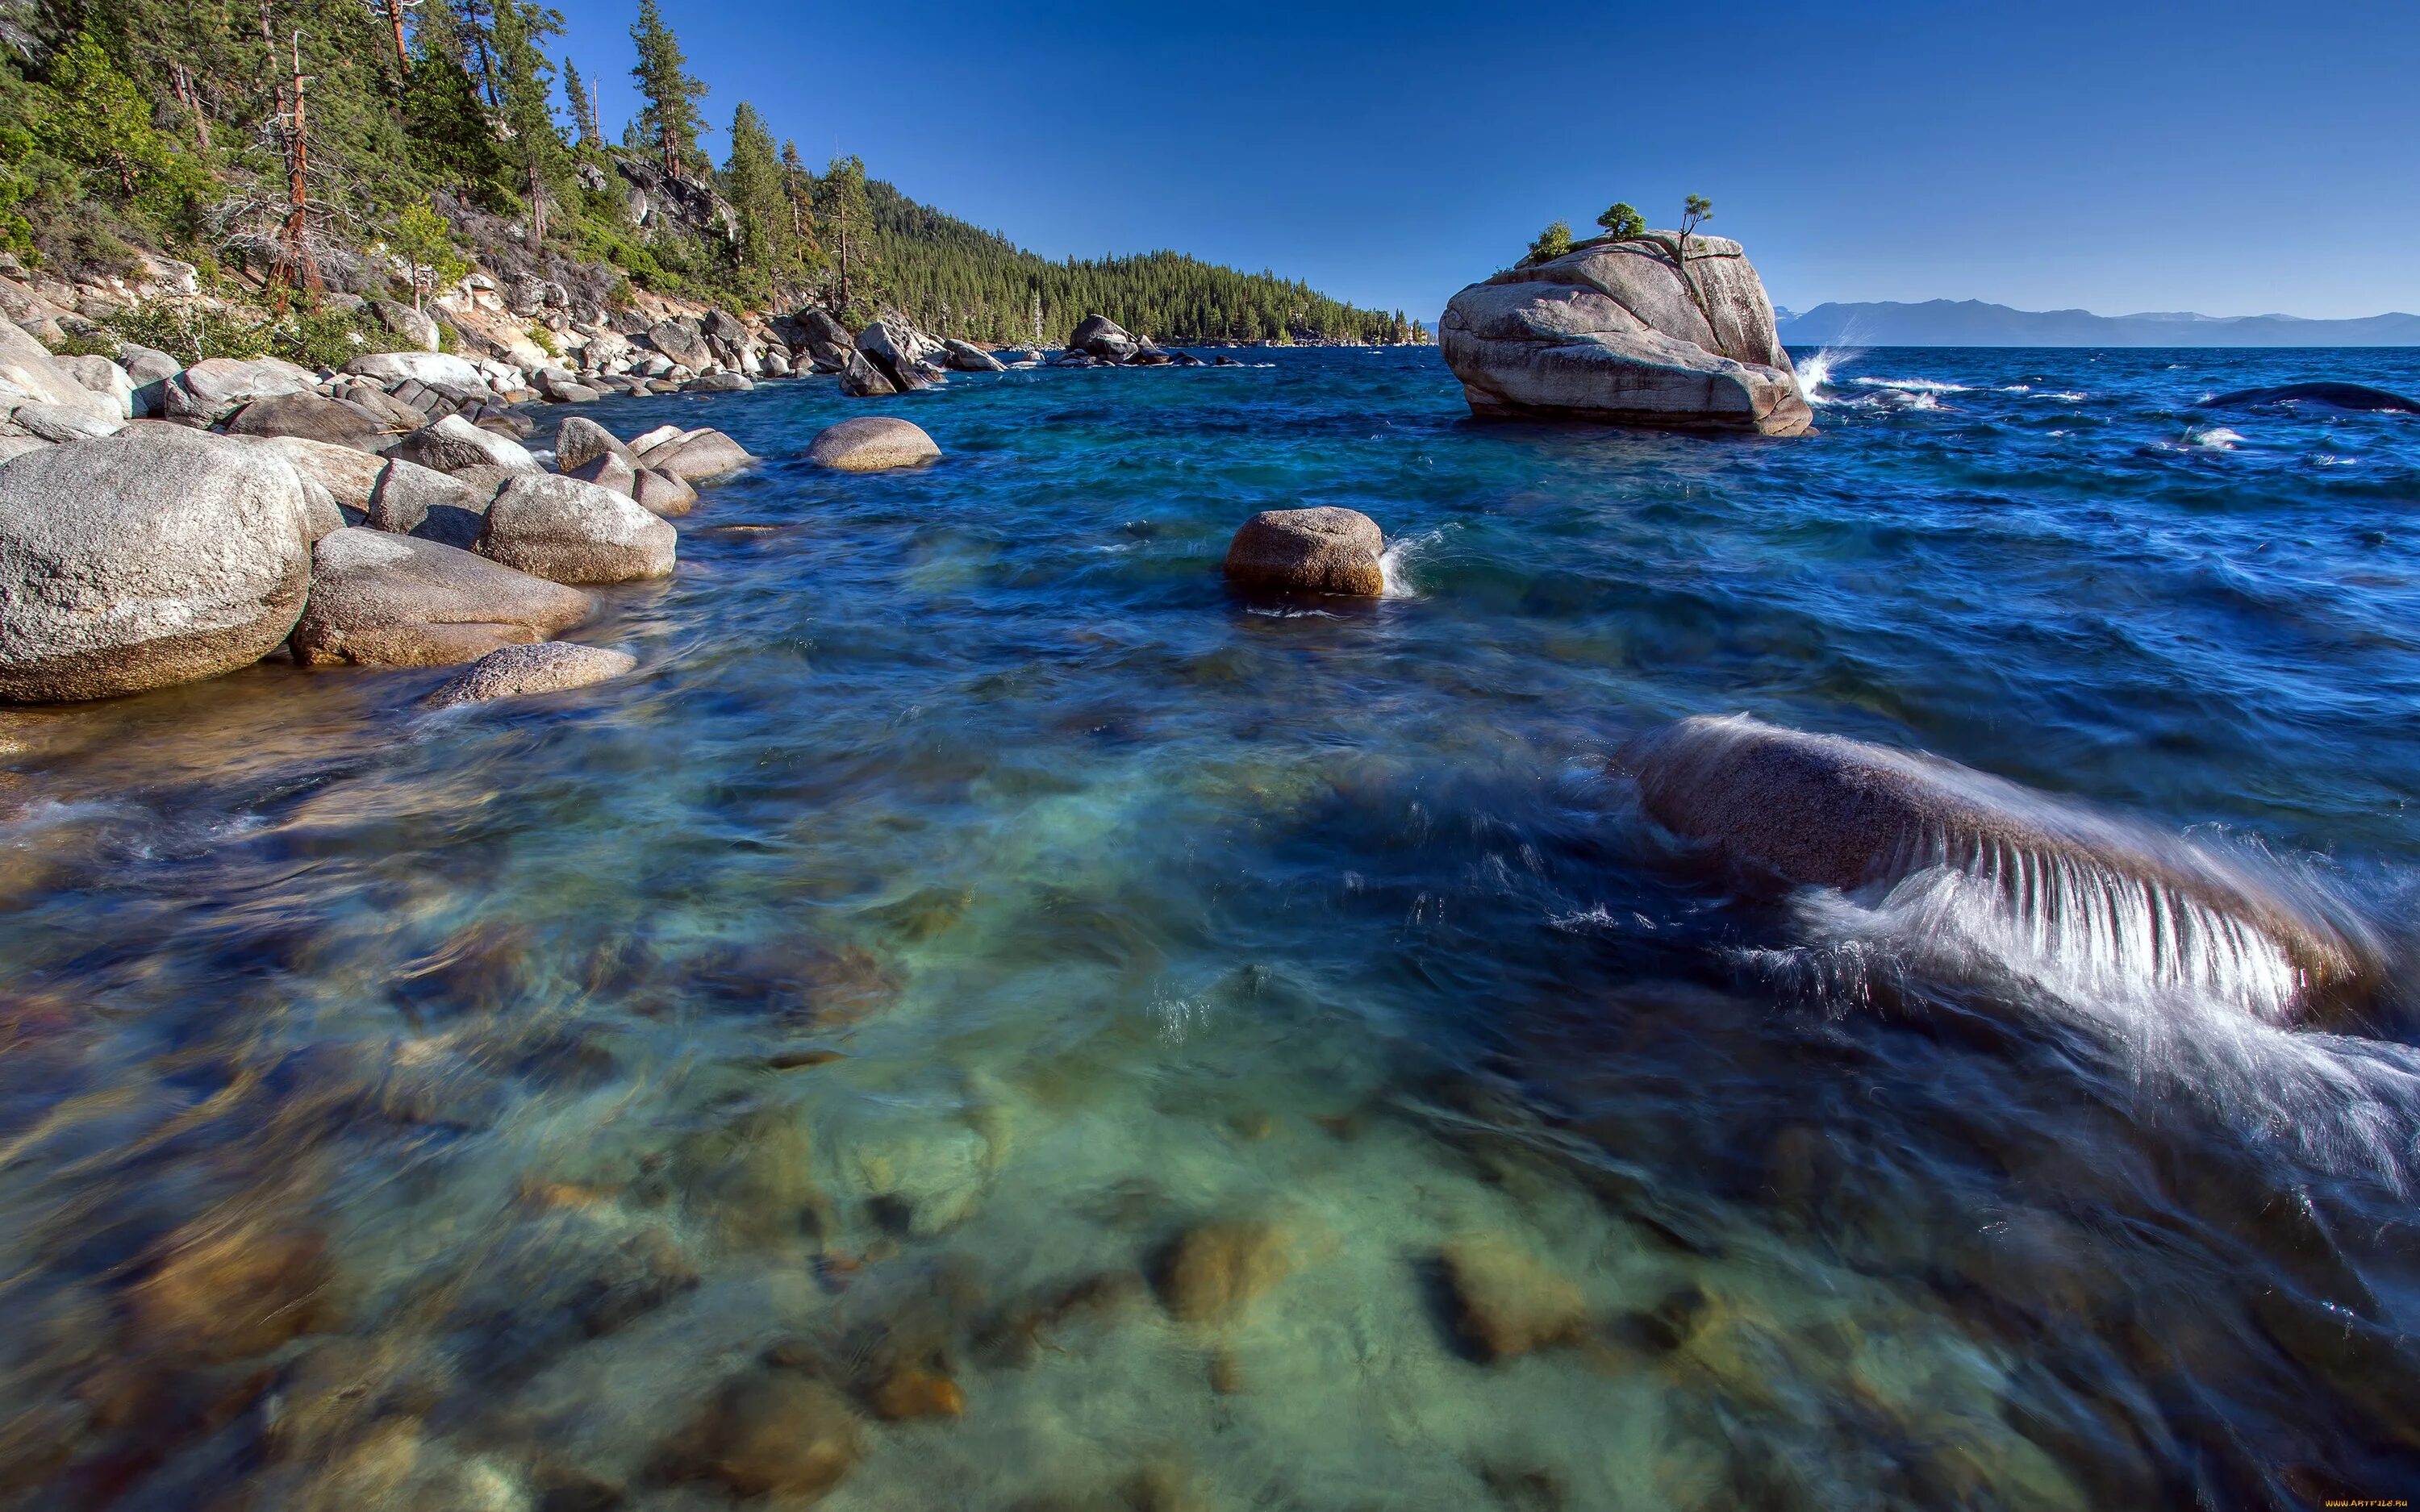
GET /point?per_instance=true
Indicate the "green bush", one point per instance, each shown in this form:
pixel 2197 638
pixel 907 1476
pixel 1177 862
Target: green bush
pixel 191 332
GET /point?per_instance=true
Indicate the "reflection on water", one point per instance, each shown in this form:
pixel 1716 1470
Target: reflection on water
pixel 983 1019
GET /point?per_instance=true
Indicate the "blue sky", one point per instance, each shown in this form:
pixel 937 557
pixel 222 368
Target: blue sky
pixel 2227 158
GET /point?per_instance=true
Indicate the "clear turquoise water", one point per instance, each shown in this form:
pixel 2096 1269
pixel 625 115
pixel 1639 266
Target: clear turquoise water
pixel 399 1096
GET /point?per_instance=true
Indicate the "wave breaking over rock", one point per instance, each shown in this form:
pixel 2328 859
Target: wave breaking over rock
pixel 2047 883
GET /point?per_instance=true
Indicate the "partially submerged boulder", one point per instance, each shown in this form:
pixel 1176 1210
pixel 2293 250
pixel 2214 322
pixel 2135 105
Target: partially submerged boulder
pixel 517 671
pixel 1101 337
pixel 153 557
pixel 861 380
pixel 1615 331
pixel 385 600
pixel 967 357
pixel 873 443
pixel 662 493
pixel 454 444
pixel 580 439
pixel 567 531
pixel 695 455
pixel 1322 551
pixel 1819 810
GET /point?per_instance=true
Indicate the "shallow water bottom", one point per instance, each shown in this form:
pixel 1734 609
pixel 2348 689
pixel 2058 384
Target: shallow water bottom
pixel 983 1019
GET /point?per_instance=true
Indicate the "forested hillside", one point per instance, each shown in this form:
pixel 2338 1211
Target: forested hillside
pixel 294 149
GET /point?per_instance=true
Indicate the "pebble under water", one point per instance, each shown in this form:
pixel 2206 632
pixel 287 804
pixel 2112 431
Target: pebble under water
pixel 983 1017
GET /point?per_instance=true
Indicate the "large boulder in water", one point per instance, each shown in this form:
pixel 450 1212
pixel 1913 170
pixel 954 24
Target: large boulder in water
pixel 153 557
pixel 1104 338
pixel 1612 332
pixel 873 443
pixel 1322 551
pixel 1821 811
pixel 384 600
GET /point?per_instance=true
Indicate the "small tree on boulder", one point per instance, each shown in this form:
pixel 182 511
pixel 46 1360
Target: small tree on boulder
pixel 1695 212
pixel 1552 244
pixel 1624 223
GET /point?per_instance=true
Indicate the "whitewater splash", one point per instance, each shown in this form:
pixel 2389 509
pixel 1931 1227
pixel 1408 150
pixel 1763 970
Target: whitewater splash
pixel 1394 562
pixel 1815 373
pixel 2186 1002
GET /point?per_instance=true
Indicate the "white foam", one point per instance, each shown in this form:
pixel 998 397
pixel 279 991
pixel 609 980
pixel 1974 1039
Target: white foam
pixel 1913 385
pixel 1395 561
pixel 2192 1004
pixel 2215 439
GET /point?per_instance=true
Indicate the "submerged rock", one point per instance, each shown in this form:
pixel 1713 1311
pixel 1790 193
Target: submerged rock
pixel 230 1292
pixel 1824 811
pixel 386 600
pixel 873 443
pixel 1210 1271
pixel 140 560
pixel 911 1391
pixel 2359 396
pixel 770 1433
pixel 516 672
pixel 1506 1304
pixel 1322 551
pixel 1612 332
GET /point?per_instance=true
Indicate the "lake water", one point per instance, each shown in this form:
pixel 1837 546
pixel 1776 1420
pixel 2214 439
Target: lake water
pixel 985 1018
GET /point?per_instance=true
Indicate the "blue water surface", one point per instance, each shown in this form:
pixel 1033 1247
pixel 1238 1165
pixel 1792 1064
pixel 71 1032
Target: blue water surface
pixel 970 903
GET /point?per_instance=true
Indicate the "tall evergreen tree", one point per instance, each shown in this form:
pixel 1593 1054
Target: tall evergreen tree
pixel 525 78
pixel 752 180
pixel 671 121
pixel 443 116
pixel 583 106
pixel 843 208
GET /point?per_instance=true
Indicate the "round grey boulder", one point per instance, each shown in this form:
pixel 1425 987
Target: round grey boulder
pixel 137 561
pixel 567 531
pixel 873 443
pixel 454 444
pixel 1104 338
pixel 311 416
pixel 517 671
pixel 695 456
pixel 1323 551
pixel 384 600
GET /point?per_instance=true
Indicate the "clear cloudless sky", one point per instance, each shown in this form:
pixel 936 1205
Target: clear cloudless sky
pixel 2228 157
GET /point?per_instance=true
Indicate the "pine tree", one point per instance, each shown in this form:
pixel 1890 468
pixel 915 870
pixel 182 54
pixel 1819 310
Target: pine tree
pixel 442 116
pixel 101 122
pixel 752 180
pixel 670 121
pixel 583 106
pixel 842 206
pixel 525 77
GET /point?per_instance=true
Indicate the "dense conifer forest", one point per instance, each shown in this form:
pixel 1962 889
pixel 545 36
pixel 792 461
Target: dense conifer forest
pixel 291 147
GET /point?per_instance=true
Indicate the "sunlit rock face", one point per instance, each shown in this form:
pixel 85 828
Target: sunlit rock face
pixel 1612 331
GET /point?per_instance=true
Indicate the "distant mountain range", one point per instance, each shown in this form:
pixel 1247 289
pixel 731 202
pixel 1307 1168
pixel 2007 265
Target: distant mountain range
pixel 1974 323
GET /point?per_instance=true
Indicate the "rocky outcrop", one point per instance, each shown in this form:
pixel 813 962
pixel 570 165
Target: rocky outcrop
pixel 683 342
pixel 900 353
pixel 384 600
pixel 154 556
pixel 312 417
pixel 1101 337
pixel 415 326
pixel 569 531
pixel 873 443
pixel 209 391
pixel 518 671
pixel 423 367
pixel 823 338
pixel 30 374
pixel 1819 810
pixel 454 444
pixel 1614 331
pixel 1323 551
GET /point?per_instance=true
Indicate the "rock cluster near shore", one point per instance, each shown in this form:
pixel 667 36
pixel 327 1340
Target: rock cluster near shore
pixel 1654 330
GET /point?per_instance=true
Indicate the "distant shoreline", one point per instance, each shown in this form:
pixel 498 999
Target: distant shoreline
pixel 1975 323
